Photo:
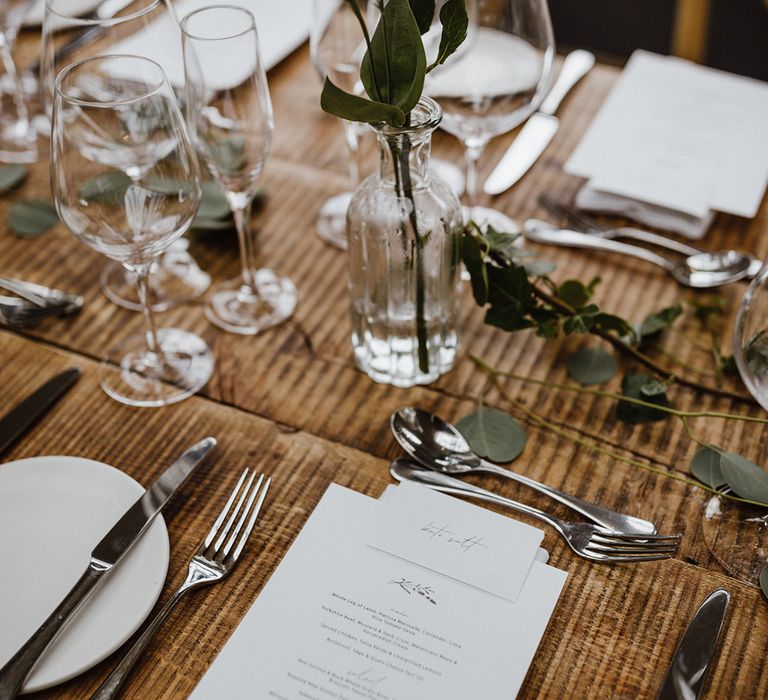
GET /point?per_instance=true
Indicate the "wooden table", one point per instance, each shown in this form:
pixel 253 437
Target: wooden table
pixel 290 402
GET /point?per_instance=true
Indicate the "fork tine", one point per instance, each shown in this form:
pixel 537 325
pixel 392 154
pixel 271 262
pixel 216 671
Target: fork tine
pixel 233 515
pixel 243 514
pixel 634 560
pixel 606 549
pixel 252 521
pixel 220 519
pixel 609 535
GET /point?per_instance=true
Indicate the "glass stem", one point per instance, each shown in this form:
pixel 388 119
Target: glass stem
pixel 242 215
pixel 9 65
pixel 472 152
pixel 142 288
pixel 351 136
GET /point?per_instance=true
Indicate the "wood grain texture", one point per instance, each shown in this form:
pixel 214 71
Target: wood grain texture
pixel 290 402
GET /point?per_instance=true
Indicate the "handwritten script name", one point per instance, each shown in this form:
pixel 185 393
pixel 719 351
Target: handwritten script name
pixel 434 531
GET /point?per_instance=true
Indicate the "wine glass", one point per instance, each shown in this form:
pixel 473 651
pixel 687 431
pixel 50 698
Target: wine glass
pixel 18 138
pixel 336 48
pixel 116 118
pixel 500 79
pixel 230 117
pixel 70 36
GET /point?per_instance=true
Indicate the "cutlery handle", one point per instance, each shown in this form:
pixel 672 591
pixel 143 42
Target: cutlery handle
pixel 574 239
pixel 627 524
pixel 638 234
pixel 575 66
pixel 114 682
pixel 15 672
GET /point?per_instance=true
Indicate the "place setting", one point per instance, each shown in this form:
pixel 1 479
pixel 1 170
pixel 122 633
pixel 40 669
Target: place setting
pixel 533 465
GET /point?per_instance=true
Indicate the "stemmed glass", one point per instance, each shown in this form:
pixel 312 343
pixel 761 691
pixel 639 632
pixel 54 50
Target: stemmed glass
pixel 497 83
pixel 69 37
pixel 230 117
pixel 116 117
pixel 336 51
pixel 18 138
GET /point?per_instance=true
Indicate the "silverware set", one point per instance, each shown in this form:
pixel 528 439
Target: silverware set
pixel 34 303
pixel 441 452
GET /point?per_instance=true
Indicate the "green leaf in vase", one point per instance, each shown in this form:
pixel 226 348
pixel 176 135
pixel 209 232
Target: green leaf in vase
pixel 109 187
pixel 12 175
pixel 30 218
pixel 453 17
pixel 393 69
pixel 632 386
pixel 472 256
pixel 705 466
pixel 591 366
pixel 764 581
pixel 492 434
pixel 354 108
pixel 423 12
pixel 744 477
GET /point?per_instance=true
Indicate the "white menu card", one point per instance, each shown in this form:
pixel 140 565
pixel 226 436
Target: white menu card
pixel 342 620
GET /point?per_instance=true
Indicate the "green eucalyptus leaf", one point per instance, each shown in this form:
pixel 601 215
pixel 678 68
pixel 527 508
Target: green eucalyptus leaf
pixel 472 256
pixel 109 187
pixel 764 581
pixel 659 321
pixel 591 366
pixel 655 387
pixel 453 17
pixel 632 386
pixel 423 12
pixel 744 477
pixel 358 109
pixel 228 153
pixel 30 218
pixel 393 69
pixel 492 434
pixel 12 175
pixel 705 466
pixel 213 203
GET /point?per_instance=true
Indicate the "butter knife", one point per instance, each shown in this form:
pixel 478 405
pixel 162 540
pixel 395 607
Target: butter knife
pixel 540 129
pixel 18 420
pixel 104 558
pixel 687 673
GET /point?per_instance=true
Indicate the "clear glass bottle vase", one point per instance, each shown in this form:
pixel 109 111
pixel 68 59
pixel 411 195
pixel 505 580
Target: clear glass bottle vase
pixel 404 234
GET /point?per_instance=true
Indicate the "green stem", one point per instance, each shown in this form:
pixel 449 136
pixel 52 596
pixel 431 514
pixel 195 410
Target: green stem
pixel 361 20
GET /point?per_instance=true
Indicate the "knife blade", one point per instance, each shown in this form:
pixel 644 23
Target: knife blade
pixel 540 129
pixel 687 672
pixel 104 557
pixel 21 417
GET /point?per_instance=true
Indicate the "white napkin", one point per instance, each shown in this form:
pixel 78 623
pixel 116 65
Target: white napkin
pixel 592 199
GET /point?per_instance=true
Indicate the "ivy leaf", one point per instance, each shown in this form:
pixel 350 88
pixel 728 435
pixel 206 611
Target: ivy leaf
pixel 357 109
pixel 502 243
pixel 30 218
pixel 509 293
pixel 608 323
pixel 475 264
pixel 744 477
pixel 492 434
pixel 396 56
pixel 591 366
pixel 632 386
pixel 575 293
pixel 705 466
pixel 423 12
pixel 764 581
pixel 659 321
pixel 581 322
pixel 453 17
pixel 539 268
pixel 109 187
pixel 12 175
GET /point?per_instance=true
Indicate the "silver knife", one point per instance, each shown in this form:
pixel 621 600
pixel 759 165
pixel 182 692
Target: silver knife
pixel 23 415
pixel 686 675
pixel 540 128
pixel 104 558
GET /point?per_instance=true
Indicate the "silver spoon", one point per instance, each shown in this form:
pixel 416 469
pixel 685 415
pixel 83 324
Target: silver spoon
pixel 438 445
pixel 700 271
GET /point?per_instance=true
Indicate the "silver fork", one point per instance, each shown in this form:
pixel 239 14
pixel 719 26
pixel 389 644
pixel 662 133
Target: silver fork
pixel 215 558
pixel 588 541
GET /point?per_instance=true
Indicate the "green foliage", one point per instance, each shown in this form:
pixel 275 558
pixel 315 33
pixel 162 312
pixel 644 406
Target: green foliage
pixel 30 218
pixel 657 322
pixel 109 187
pixel 591 366
pixel 644 388
pixel 357 109
pixel 493 434
pixel 453 17
pixel 705 466
pixel 12 175
pixel 423 12
pixel 744 477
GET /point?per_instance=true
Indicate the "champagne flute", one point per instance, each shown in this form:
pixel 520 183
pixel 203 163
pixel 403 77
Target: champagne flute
pixel 500 79
pixel 116 117
pixel 232 130
pixel 68 37
pixel 18 138
pixel 336 51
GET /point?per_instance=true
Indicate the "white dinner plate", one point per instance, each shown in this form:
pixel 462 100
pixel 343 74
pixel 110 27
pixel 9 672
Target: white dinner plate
pixel 53 511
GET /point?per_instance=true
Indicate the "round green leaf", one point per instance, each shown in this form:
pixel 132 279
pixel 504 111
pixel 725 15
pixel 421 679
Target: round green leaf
pixel 744 477
pixel 764 581
pixel 705 466
pixel 12 175
pixel 492 434
pixel 109 187
pixel 29 218
pixel 591 366
pixel 213 204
